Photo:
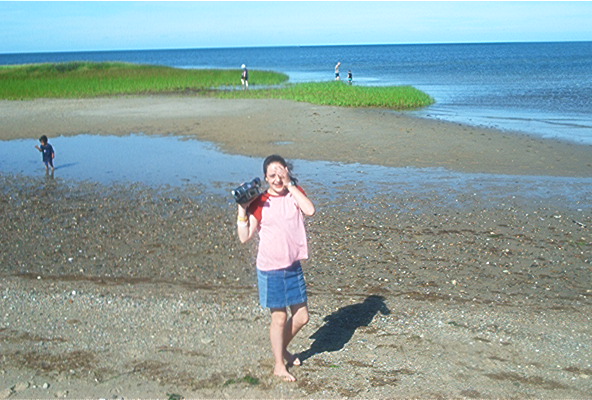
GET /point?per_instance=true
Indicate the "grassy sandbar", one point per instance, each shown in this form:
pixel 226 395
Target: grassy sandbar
pixel 335 93
pixel 92 79
pixel 88 79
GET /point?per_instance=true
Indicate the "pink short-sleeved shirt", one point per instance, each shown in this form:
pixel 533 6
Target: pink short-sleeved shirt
pixel 282 236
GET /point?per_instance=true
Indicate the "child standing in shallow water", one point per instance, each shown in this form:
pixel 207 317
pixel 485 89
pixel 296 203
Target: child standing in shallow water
pixel 48 153
pixel 278 216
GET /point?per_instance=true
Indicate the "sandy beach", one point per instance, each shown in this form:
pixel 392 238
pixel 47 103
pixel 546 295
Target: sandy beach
pixel 130 291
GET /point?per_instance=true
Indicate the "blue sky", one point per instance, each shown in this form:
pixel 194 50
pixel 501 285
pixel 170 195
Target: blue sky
pixel 78 26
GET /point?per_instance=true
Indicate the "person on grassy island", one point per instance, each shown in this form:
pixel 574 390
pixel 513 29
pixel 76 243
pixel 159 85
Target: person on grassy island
pixel 245 77
pixel 337 71
pixel 278 216
pixel 47 150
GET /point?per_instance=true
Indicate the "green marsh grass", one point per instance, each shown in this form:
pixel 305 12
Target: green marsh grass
pixel 91 79
pixel 336 93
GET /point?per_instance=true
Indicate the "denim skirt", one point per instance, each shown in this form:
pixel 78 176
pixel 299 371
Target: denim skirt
pixel 283 287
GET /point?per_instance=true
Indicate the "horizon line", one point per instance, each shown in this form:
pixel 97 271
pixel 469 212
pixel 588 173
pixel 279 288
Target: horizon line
pixel 294 45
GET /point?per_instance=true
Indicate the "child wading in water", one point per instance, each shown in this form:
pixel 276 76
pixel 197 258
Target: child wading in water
pixel 48 153
pixel 278 216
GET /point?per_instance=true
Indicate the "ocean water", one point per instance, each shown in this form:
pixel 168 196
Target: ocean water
pixel 544 89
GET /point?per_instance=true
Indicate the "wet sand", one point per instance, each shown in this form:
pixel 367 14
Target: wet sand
pixel 303 131
pixel 132 291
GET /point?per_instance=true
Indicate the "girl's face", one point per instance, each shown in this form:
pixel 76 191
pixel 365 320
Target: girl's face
pixel 278 178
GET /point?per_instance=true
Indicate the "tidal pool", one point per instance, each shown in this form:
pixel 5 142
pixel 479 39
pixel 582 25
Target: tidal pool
pixel 179 161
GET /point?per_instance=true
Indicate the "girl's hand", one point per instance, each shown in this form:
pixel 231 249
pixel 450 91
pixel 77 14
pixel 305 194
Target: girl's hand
pixel 284 174
pixel 246 205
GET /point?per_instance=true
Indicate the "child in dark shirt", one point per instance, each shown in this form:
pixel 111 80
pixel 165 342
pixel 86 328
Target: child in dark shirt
pixel 47 150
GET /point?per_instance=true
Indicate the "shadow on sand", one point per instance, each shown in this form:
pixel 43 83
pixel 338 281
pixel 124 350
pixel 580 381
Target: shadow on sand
pixel 340 326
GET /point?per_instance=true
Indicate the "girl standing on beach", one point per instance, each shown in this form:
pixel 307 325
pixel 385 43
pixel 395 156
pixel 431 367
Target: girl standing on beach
pixel 278 216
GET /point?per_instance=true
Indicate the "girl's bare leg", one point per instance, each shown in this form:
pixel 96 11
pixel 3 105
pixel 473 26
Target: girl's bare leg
pixel 298 319
pixel 279 317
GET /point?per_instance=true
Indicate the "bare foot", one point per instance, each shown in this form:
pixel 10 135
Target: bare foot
pixel 283 373
pixel 292 359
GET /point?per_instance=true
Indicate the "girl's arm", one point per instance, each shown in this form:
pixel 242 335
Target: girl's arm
pixel 246 225
pixel 305 204
pixel 302 200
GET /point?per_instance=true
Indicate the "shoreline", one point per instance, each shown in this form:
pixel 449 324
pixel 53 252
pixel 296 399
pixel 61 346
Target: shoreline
pixel 304 131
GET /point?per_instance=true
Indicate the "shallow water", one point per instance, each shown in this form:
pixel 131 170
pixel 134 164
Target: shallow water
pixel 180 161
pixel 571 126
